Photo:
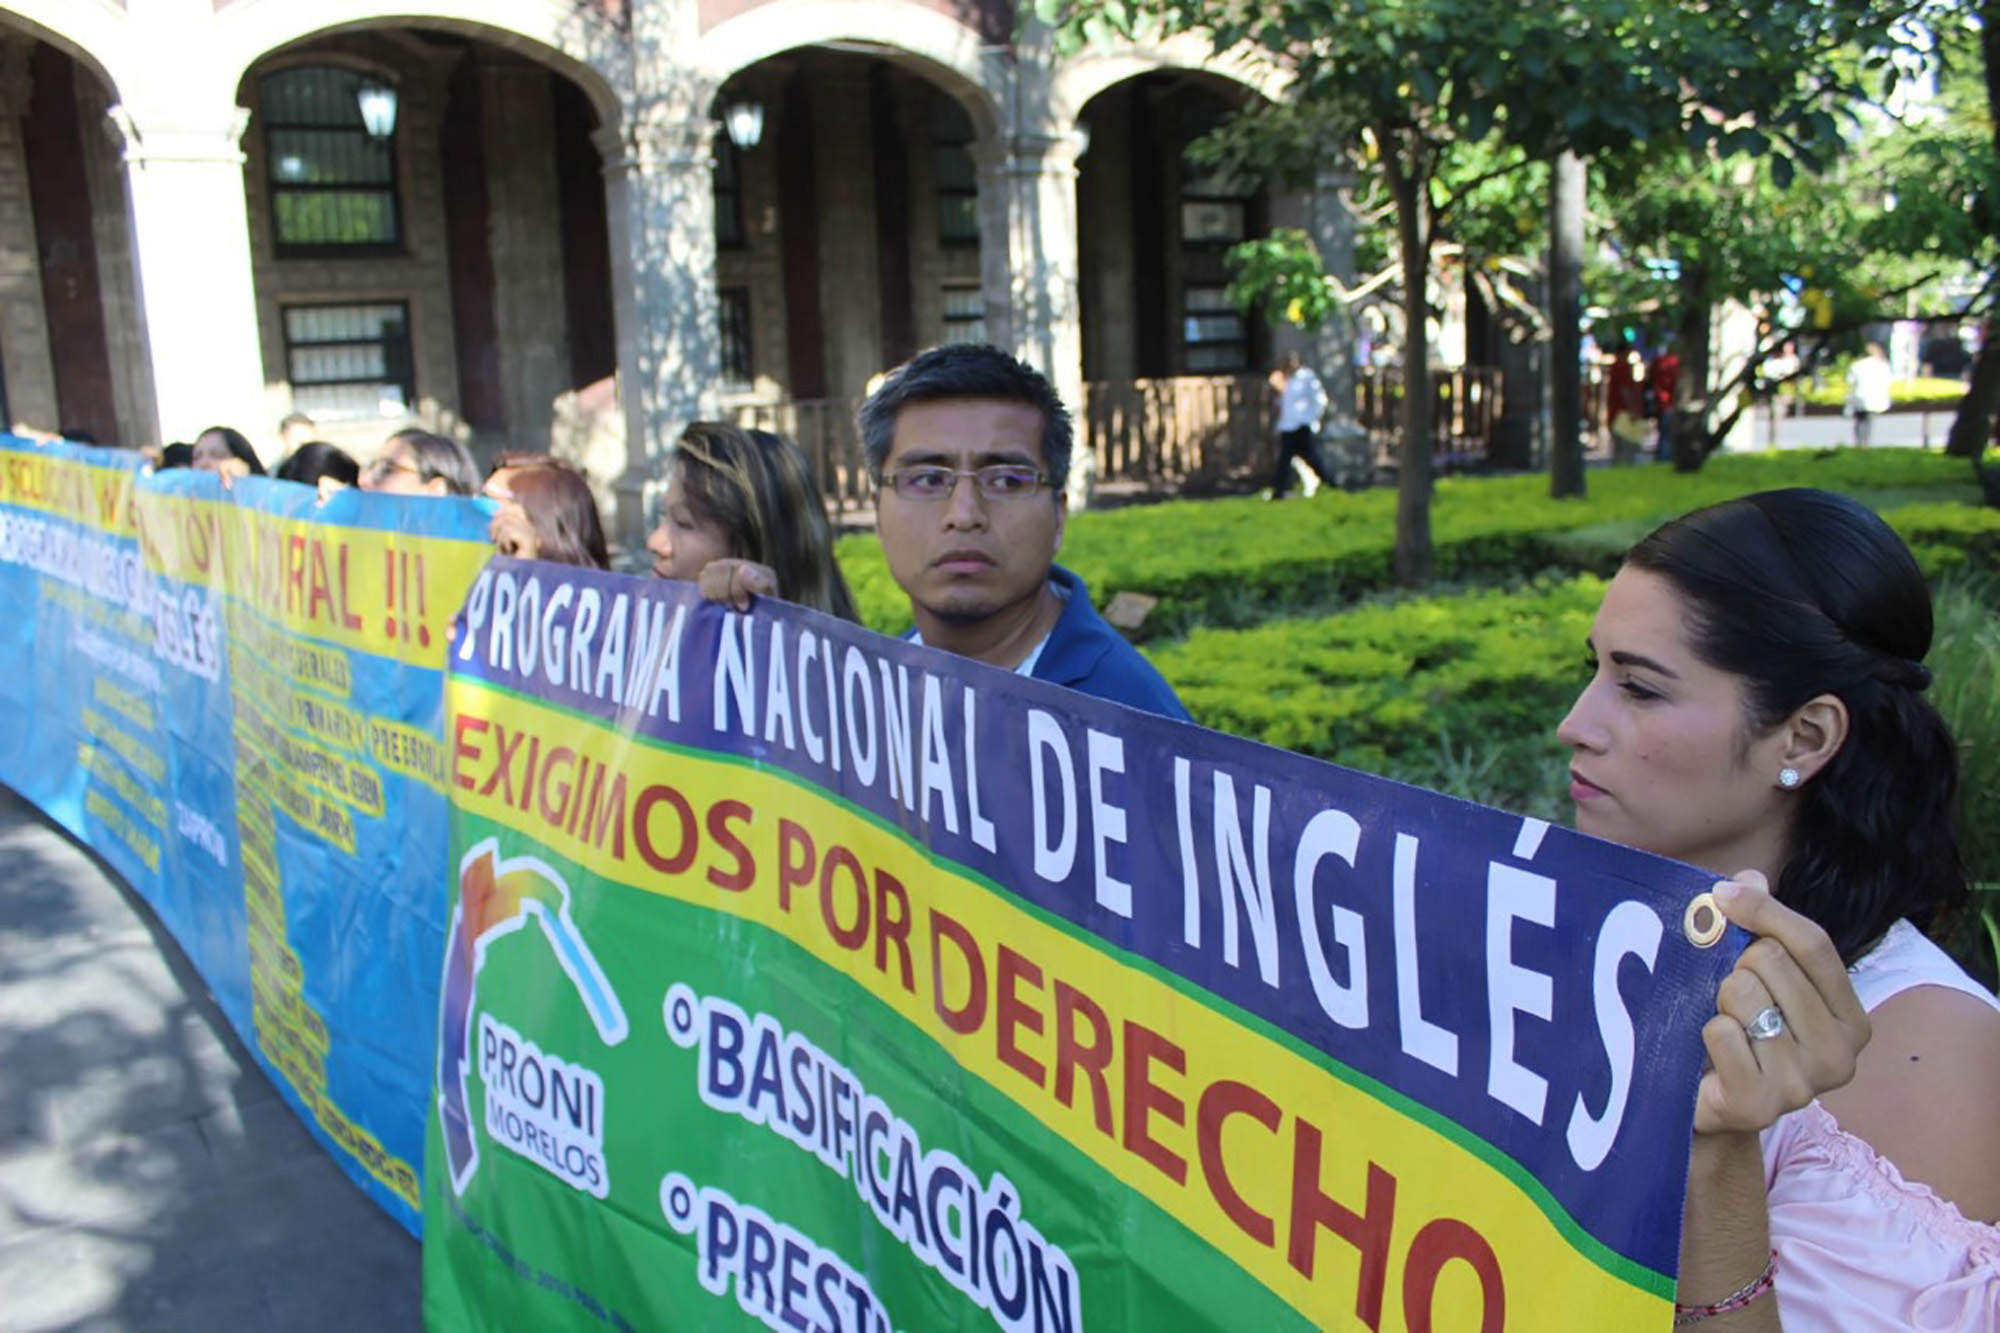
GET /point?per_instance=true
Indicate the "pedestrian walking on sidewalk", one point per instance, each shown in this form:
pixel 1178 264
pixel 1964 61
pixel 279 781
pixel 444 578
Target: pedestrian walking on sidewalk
pixel 1868 393
pixel 1301 404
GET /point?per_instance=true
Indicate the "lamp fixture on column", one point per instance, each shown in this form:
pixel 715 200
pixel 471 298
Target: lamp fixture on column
pixel 378 108
pixel 744 120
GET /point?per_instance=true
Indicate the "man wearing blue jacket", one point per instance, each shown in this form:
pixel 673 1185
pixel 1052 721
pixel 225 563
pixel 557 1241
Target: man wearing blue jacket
pixel 971 451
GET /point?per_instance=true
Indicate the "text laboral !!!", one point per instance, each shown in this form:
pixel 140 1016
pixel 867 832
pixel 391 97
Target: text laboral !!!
pixel 803 977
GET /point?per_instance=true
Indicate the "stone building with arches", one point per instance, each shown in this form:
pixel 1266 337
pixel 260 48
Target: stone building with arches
pixel 591 220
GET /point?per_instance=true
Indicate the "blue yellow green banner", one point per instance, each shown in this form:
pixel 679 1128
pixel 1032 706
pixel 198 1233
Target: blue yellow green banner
pixel 236 698
pixel 800 977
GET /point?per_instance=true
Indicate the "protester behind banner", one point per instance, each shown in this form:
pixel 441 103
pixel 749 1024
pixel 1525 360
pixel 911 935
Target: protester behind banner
pixel 970 449
pixel 745 503
pixel 226 453
pixel 417 462
pixel 546 512
pixel 316 461
pixel 1758 705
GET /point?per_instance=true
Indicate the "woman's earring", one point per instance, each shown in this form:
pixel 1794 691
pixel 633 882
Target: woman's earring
pixel 1788 778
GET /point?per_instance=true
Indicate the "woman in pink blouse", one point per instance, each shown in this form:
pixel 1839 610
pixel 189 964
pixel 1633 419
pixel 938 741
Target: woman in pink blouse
pixel 1757 708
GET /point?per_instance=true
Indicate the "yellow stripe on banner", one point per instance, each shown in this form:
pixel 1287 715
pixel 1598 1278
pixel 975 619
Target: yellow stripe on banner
pixel 98 498
pixel 1344 1207
pixel 386 593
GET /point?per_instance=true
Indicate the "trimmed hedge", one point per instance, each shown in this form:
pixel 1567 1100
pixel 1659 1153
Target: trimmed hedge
pixel 1926 392
pixel 1458 692
pixel 1235 562
pixel 1410 689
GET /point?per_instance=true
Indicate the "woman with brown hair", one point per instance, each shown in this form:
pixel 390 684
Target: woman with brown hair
pixel 546 512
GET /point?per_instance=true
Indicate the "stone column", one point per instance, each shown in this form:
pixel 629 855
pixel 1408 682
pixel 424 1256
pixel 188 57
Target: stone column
pixel 1028 262
pixel 661 206
pixel 191 245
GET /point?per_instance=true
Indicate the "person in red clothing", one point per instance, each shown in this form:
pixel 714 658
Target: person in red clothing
pixel 1624 407
pixel 1663 378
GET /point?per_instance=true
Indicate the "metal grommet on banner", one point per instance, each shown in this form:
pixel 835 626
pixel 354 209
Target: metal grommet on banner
pixel 1703 922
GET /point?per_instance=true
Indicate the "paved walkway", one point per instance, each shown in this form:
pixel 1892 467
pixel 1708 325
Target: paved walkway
pixel 150 1176
pixel 1901 429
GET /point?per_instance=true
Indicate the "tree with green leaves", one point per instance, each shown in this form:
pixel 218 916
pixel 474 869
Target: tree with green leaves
pixel 1403 85
pixel 1979 165
pixel 1900 219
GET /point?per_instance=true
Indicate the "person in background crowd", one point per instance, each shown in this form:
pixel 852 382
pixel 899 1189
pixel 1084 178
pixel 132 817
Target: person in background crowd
pixel 316 460
pixel 295 432
pixel 227 453
pixel 1661 389
pixel 1757 708
pixel 744 503
pixel 546 512
pixel 501 473
pixel 1868 385
pixel 1301 405
pixel 416 462
pixel 178 454
pixel 1624 404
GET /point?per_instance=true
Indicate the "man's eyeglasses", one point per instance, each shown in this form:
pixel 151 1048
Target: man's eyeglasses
pixel 1001 481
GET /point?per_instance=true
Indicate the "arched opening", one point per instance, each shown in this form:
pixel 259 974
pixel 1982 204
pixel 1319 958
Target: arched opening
pixel 1173 368
pixel 848 237
pixel 448 266
pixel 1153 230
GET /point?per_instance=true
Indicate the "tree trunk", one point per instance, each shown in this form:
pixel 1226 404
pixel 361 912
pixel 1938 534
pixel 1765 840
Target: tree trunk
pixel 1693 442
pixel 1409 182
pixel 1972 428
pixel 1567 182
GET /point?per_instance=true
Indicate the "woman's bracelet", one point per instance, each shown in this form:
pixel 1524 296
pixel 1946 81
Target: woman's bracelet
pixel 1735 1300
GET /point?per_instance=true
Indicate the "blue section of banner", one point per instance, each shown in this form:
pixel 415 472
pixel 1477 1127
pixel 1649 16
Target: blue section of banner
pixel 168 723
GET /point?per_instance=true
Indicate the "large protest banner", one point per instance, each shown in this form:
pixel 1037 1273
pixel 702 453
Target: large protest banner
pixel 235 698
pixel 801 977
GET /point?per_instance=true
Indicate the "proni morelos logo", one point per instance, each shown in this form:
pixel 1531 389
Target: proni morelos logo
pixel 541 1106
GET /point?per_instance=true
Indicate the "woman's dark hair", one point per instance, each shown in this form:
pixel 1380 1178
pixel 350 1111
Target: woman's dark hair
pixel 436 456
pixel 315 459
pixel 1802 593
pixel 758 488
pixel 232 445
pixel 558 502
pixel 178 454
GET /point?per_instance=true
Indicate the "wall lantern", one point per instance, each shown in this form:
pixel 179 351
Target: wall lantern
pixel 744 119
pixel 378 108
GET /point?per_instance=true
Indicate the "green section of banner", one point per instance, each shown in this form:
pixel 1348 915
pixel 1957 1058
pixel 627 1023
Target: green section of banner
pixel 621 1262
pixel 1423 1132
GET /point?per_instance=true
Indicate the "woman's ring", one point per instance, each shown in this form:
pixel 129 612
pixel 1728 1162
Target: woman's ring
pixel 1767 1024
